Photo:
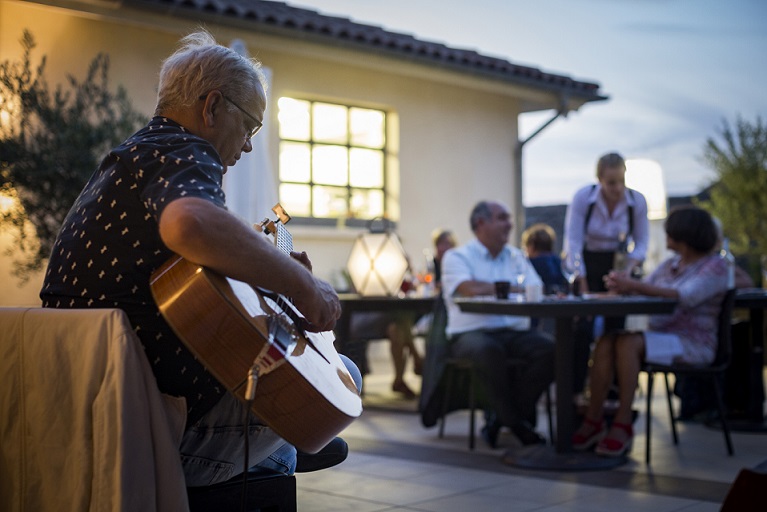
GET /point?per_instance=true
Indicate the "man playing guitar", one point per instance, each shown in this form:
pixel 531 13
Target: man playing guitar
pixel 158 195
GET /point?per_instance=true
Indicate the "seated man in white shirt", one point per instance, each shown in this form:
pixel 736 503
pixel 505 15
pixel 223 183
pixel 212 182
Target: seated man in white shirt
pixel 489 340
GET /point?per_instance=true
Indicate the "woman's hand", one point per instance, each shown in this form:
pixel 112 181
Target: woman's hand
pixel 620 282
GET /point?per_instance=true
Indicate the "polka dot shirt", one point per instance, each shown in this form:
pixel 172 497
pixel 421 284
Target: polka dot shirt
pixel 109 245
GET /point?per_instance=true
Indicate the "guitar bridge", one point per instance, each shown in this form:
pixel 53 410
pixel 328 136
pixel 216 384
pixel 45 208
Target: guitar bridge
pixel 281 339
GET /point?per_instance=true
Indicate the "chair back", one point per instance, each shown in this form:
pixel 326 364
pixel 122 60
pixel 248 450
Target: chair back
pixel 436 351
pixel 724 334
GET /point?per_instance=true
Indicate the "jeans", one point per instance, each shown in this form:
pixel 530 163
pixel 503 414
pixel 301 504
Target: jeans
pixel 213 449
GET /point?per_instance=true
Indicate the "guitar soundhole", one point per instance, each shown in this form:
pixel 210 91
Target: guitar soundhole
pixel 281 326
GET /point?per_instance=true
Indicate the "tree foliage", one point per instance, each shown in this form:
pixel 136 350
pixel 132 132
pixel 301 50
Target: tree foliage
pixel 50 144
pixel 739 192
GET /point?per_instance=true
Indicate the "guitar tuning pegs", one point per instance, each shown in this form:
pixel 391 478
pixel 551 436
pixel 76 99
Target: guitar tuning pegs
pixel 281 213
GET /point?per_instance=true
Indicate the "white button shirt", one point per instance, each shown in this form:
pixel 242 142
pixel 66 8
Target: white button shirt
pixel 604 230
pixel 473 262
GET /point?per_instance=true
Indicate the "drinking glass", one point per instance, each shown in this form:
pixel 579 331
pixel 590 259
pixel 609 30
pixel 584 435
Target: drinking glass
pixel 518 273
pixel 572 267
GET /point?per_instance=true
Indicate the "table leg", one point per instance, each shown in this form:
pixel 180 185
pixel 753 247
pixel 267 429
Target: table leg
pixel 756 370
pixel 564 360
pixel 754 420
pixel 562 458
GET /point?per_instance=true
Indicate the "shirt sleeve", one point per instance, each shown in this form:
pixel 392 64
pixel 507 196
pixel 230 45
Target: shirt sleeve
pixel 641 233
pixel 575 219
pixel 455 270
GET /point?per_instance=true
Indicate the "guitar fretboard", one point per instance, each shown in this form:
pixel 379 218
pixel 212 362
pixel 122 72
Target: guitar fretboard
pixel 283 239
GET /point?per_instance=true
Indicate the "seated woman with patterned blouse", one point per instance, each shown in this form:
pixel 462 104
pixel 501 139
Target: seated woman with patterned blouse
pixel 697 278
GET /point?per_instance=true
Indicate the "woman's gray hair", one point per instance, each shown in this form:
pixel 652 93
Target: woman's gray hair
pixel 201 65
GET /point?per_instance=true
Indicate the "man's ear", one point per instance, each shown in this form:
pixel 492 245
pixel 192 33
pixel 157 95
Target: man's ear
pixel 212 107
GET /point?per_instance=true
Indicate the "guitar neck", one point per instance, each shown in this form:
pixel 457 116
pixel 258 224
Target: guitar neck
pixel 283 240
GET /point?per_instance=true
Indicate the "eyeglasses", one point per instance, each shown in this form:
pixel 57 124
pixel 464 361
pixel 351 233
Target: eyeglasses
pixel 258 124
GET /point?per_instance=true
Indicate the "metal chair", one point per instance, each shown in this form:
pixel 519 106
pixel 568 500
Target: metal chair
pixel 455 368
pixel 713 372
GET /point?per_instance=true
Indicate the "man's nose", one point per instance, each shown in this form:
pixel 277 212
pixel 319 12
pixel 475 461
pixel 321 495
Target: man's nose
pixel 248 146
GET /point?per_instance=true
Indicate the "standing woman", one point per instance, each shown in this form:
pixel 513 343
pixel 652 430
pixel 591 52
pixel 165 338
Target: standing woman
pixel 603 217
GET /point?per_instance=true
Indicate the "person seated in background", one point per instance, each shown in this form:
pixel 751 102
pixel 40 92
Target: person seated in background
pixel 697 278
pixel 538 241
pixel 443 240
pixel 490 340
pixel 397 328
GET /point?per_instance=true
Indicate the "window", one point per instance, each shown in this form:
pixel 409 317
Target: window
pixel 331 160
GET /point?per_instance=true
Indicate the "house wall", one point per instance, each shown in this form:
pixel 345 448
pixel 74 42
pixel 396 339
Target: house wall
pixel 454 143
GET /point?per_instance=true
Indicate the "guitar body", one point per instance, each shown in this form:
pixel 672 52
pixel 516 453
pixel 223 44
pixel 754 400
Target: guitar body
pixel 303 391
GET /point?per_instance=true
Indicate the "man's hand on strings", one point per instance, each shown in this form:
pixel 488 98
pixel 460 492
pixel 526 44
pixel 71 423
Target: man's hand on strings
pixel 302 258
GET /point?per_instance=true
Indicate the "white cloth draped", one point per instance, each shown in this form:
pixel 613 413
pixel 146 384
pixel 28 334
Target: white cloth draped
pixel 83 426
pixel 251 185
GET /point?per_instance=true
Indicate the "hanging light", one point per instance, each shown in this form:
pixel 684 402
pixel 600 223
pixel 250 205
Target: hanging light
pixel 646 176
pixel 377 262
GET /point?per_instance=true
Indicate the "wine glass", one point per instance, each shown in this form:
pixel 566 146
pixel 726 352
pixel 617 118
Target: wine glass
pixel 572 269
pixel 518 273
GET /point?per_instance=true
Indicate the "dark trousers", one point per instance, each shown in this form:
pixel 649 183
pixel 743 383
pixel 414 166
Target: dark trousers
pixel 512 392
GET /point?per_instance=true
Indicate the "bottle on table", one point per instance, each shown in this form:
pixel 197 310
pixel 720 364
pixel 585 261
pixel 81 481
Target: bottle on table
pixel 621 256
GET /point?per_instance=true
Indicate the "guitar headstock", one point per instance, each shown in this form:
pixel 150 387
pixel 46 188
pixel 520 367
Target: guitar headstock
pixel 268 225
pixel 282 238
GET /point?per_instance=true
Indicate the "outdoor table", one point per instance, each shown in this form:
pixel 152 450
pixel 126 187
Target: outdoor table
pixel 352 303
pixel 563 309
pixel 755 300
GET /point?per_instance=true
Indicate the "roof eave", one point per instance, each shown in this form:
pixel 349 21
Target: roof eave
pixel 576 92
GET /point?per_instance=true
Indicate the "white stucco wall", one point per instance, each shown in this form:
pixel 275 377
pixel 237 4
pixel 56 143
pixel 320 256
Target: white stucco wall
pixel 454 141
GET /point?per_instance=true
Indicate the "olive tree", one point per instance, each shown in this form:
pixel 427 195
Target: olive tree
pixel 739 191
pixel 51 141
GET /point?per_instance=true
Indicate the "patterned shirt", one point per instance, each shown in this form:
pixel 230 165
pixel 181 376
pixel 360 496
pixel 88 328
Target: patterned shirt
pixel 701 287
pixel 109 245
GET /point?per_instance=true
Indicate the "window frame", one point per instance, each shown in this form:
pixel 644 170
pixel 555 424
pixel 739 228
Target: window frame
pixel 385 152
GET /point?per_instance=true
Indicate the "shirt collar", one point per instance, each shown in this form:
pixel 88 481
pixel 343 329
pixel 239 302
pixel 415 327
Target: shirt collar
pixel 485 252
pixel 596 196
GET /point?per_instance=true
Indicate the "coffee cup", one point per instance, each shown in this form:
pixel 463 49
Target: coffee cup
pixel 502 289
pixel 533 292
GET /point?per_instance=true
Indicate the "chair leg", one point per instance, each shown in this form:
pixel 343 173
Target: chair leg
pixel 671 410
pixel 445 397
pixel 650 379
pixel 552 439
pixel 472 407
pixel 722 412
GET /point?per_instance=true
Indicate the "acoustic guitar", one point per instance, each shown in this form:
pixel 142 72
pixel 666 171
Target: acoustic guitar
pixel 251 340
